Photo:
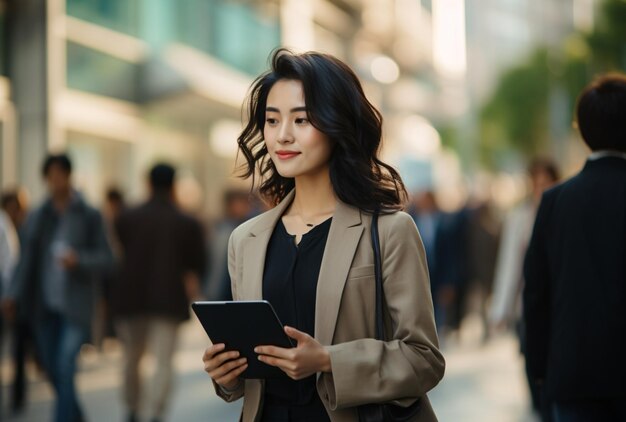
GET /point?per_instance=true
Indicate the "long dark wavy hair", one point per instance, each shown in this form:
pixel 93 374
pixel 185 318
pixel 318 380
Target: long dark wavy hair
pixel 336 106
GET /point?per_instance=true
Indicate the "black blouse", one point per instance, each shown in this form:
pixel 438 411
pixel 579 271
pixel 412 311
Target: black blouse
pixel 290 285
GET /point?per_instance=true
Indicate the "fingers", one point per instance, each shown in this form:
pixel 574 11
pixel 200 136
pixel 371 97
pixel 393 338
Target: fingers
pixel 289 367
pixel 276 356
pixel 223 367
pixel 278 352
pixel 297 335
pixel 284 364
pixel 229 379
pixel 219 359
pixel 224 370
pixel 210 351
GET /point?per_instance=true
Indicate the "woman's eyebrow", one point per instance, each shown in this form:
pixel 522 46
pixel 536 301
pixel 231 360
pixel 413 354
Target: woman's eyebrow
pixel 293 110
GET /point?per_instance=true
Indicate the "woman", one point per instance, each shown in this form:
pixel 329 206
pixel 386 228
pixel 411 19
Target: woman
pixel 314 138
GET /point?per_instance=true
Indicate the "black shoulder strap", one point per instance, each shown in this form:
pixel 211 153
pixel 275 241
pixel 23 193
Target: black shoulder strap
pixel 380 333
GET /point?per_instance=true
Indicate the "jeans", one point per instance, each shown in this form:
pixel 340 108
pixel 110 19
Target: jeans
pixel 590 410
pixel 59 342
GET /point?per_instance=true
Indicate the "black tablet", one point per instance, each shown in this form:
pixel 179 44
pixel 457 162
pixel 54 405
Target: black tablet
pixel 242 326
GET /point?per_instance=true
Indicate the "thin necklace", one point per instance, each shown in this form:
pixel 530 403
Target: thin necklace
pixel 307 224
pixel 302 219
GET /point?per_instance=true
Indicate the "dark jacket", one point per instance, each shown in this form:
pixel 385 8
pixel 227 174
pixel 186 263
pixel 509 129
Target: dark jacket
pixel 160 244
pixel 575 293
pixel 86 235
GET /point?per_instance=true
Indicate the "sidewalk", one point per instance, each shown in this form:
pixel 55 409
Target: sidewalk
pixel 100 378
pixel 482 384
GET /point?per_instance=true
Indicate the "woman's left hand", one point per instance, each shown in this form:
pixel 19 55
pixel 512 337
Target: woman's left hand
pixel 308 358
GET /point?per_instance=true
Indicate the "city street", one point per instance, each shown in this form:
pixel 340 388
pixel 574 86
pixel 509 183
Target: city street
pixel 482 383
pixel 151 150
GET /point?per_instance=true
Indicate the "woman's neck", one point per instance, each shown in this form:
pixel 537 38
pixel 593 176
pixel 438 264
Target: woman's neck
pixel 314 199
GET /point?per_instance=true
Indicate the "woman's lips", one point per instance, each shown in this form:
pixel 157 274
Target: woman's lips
pixel 285 155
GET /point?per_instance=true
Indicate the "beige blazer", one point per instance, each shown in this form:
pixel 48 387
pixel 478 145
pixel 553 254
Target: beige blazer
pixel 364 370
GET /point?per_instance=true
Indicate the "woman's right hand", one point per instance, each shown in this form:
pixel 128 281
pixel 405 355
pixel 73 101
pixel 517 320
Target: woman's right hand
pixel 224 367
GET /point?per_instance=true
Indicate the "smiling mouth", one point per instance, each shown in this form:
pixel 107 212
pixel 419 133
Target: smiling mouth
pixel 286 155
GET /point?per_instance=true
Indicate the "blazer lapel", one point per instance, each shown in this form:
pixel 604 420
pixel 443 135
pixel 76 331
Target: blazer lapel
pixel 343 239
pixel 255 248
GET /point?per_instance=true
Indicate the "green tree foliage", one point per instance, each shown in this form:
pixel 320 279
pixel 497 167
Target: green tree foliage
pixel 608 42
pixel 517 116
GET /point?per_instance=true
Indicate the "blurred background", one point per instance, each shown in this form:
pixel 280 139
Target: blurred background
pixel 471 91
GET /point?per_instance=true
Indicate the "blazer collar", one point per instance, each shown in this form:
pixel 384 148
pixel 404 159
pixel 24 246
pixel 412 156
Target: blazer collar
pixel 343 239
pixel 269 219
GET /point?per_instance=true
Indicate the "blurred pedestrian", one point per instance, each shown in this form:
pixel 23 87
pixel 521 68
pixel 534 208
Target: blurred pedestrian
pixel 14 205
pixel 506 304
pixel 9 255
pixel 237 209
pixel 64 251
pixel 114 205
pixel 480 231
pixel 438 231
pixel 163 258
pixel 575 271
pixel 9 242
pixel 315 137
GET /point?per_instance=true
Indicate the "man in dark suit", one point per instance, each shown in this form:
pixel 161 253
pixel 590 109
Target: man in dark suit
pixel 575 271
pixel 162 260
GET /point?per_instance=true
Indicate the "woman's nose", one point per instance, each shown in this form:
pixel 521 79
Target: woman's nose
pixel 285 135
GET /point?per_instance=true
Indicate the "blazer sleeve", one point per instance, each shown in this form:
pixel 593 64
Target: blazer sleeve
pixel 410 364
pixel 536 296
pixel 237 393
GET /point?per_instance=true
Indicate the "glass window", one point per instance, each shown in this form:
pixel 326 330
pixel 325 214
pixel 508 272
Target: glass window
pixel 99 163
pixel 240 35
pixel 192 23
pixel 99 73
pixel 120 15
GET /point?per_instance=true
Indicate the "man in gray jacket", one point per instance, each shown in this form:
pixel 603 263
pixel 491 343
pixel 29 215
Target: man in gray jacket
pixel 64 250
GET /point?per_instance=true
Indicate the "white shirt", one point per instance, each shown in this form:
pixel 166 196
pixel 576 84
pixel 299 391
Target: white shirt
pixel 9 250
pixel 508 280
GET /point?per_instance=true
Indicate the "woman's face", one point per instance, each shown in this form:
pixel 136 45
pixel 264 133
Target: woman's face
pixel 295 146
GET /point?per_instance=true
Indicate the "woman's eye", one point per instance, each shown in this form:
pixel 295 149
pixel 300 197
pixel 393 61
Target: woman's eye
pixel 302 121
pixel 270 121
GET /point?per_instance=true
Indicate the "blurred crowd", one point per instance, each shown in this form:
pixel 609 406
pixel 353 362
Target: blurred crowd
pixel 72 274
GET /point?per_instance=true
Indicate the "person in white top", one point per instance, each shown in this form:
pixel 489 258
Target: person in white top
pixel 505 310
pixel 9 249
pixel 9 254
